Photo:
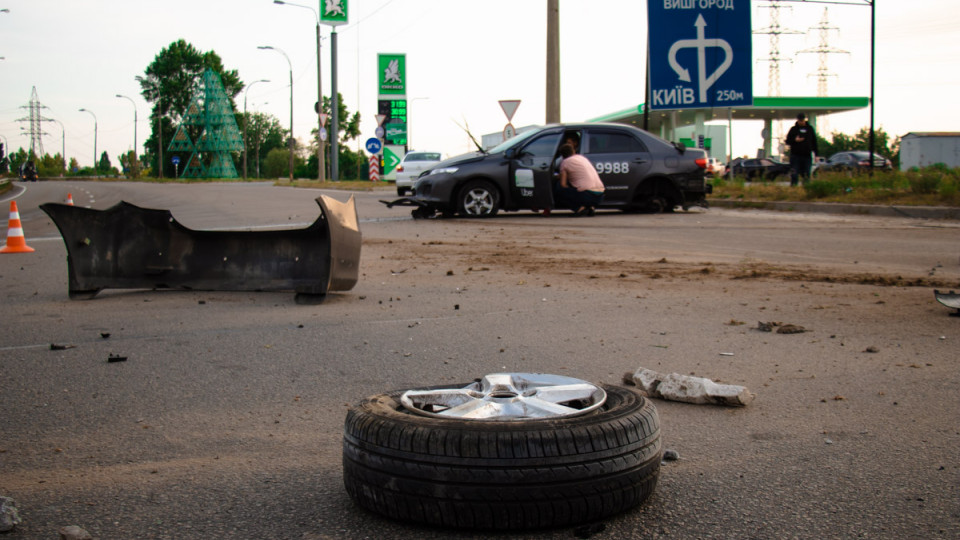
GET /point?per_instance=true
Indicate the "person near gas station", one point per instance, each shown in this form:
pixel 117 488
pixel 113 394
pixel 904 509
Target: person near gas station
pixel 802 140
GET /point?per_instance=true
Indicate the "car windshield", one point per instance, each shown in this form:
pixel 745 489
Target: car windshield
pixel 502 147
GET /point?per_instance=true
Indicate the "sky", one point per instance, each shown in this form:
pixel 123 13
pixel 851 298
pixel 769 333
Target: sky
pixel 462 58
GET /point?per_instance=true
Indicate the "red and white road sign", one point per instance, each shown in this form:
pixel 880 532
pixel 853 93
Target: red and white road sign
pixel 323 119
pixel 375 168
pixel 380 119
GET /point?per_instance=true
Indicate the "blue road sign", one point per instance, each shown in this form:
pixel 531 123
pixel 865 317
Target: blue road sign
pixel 700 54
pixel 374 145
pixel 175 160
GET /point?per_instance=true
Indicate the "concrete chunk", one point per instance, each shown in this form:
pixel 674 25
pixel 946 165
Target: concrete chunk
pixel 688 389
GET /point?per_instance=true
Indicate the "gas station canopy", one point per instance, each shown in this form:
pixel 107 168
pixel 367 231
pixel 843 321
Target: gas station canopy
pixel 767 109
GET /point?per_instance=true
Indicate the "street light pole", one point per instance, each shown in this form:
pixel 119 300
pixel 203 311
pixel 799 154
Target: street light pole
pixel 96 169
pixel 271 48
pixel 245 145
pixel 136 157
pixel 321 167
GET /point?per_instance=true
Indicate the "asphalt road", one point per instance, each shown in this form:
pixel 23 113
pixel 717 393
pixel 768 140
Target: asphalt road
pixel 226 419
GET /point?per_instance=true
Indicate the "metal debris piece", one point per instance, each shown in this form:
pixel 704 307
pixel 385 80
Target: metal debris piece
pixel 116 358
pixel 949 299
pixel 128 247
pixel 55 347
pixel 687 388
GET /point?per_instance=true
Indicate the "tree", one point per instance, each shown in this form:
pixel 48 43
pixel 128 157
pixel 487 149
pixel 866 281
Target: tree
pixel 16 159
pixel 104 166
pixel 50 165
pixel 277 163
pixel 264 133
pixel 74 165
pixel 169 83
pixel 128 160
pixel 841 142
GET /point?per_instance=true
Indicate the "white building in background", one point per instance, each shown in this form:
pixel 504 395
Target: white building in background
pixel 928 148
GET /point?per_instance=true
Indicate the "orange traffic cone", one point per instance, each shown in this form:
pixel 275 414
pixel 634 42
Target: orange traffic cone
pixel 70 199
pixel 16 243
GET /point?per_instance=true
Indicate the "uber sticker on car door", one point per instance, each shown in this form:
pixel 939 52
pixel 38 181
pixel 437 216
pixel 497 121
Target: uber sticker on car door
pixel 523 179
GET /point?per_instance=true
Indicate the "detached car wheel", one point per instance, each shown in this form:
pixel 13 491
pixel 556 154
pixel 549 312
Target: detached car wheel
pixel 478 199
pixel 511 451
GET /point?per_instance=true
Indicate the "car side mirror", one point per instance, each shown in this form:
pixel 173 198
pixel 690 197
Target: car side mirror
pixel 510 153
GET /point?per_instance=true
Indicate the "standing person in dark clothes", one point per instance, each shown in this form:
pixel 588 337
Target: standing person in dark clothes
pixel 802 140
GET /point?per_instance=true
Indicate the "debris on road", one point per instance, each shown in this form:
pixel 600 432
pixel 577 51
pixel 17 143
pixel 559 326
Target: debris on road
pixel 670 455
pixel 74 532
pixel 949 299
pixel 116 358
pixel 129 247
pixel 9 516
pixel 687 388
pixel 55 347
pixel 781 327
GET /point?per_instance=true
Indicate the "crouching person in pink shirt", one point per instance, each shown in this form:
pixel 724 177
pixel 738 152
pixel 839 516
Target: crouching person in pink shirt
pixel 580 188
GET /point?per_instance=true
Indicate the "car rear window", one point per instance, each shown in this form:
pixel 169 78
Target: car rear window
pixel 422 156
pixel 614 143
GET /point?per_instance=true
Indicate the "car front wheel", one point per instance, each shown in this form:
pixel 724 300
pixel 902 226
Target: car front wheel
pixel 478 199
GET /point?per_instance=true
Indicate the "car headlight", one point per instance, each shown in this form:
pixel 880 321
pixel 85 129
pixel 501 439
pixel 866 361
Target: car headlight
pixel 443 170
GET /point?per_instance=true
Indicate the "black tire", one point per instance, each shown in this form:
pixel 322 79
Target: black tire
pixel 478 199
pixel 508 475
pixel 401 191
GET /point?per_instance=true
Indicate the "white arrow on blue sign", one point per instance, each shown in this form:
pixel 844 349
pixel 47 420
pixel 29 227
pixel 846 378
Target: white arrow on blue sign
pixel 373 145
pixel 175 160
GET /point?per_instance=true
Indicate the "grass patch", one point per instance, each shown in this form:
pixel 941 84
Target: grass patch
pixel 931 186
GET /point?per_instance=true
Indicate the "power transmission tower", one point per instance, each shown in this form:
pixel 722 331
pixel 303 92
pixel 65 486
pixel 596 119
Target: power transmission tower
pixel 34 118
pixel 774 30
pixel 823 49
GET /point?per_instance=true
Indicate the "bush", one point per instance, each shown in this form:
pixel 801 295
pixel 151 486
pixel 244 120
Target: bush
pixel 925 182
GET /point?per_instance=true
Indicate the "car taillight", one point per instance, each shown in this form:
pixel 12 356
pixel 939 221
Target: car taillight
pixel 702 163
pixel 399 168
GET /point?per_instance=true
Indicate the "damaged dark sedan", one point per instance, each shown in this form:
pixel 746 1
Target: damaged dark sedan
pixel 640 172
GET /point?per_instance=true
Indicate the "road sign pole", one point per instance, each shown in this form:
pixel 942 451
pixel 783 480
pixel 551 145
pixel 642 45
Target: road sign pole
pixel 334 110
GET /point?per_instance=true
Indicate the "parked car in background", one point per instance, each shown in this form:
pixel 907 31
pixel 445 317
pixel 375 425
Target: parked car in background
pixel 715 167
pixel 410 168
pixel 854 160
pixel 818 161
pixel 759 168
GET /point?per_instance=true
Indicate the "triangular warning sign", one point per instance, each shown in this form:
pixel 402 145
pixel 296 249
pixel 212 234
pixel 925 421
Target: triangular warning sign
pixel 509 107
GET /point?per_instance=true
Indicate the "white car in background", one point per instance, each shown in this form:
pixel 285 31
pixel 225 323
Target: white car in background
pixel 410 168
pixel 715 167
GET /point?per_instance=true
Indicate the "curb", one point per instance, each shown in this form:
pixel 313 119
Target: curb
pixel 912 212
